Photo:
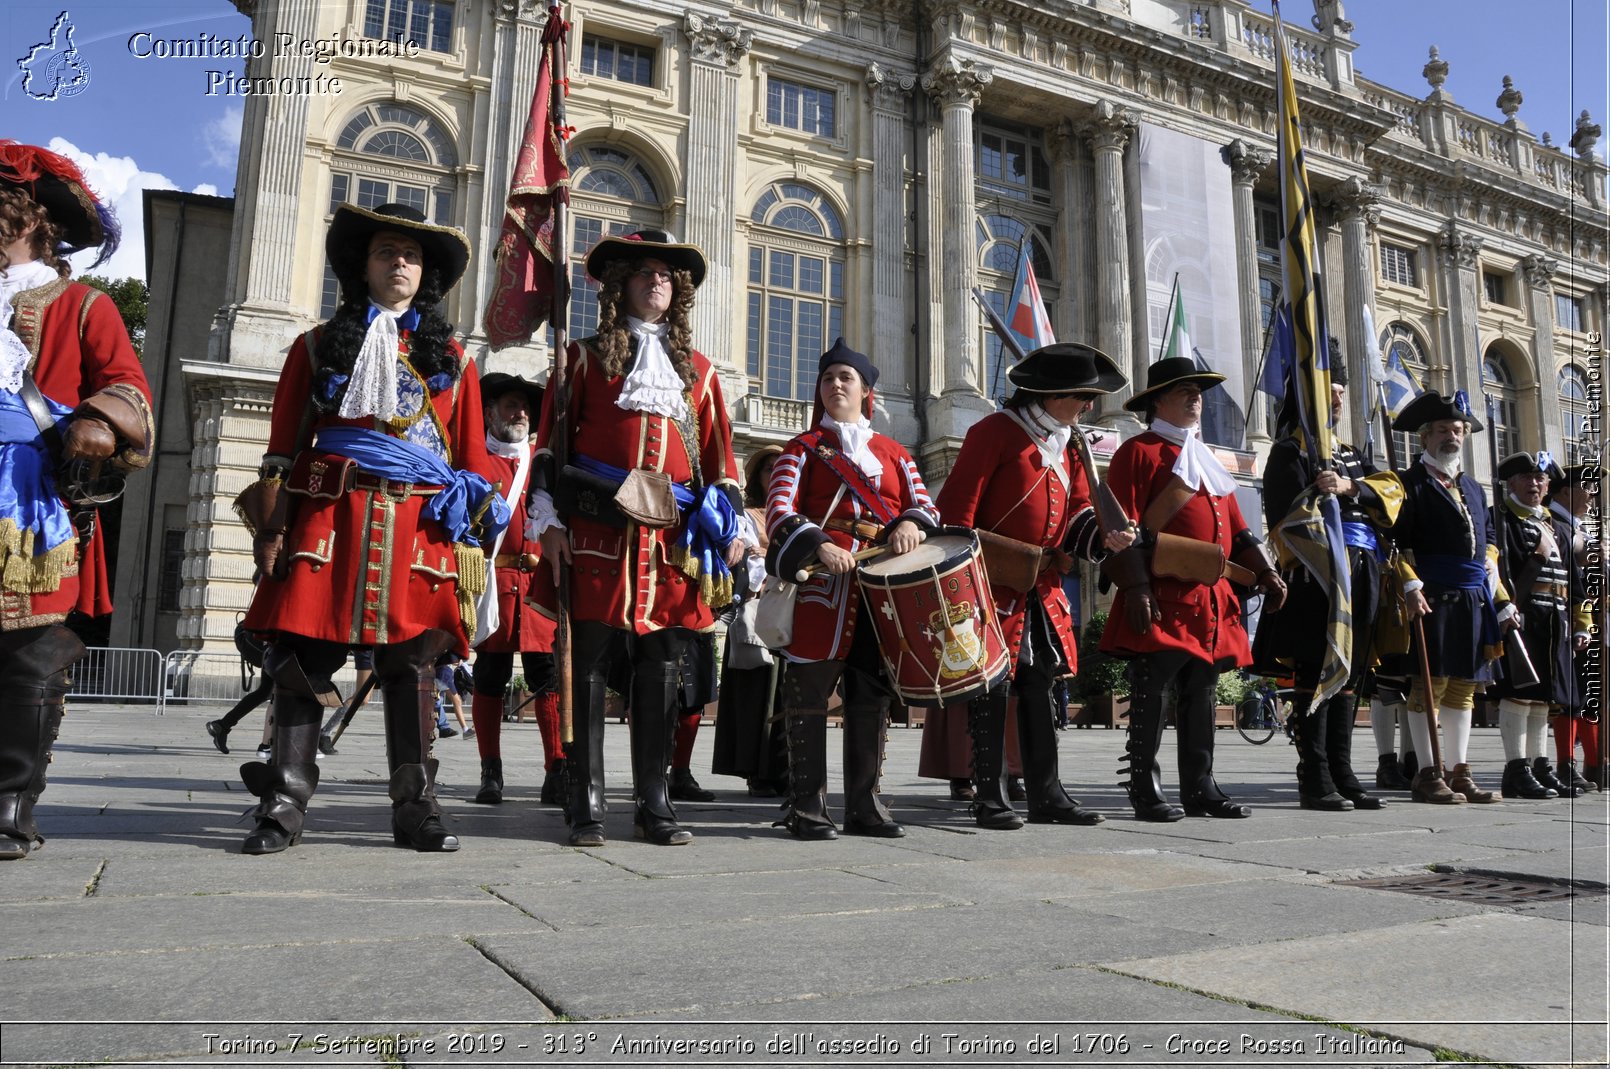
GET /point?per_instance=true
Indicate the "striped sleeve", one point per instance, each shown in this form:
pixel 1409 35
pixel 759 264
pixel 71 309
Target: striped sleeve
pixel 1084 536
pixel 919 507
pixel 793 537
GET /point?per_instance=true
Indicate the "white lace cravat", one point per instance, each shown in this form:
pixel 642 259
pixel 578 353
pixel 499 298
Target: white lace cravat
pixel 372 390
pixel 653 384
pixel 1196 466
pixel 14 355
pixel 855 442
pixel 1052 437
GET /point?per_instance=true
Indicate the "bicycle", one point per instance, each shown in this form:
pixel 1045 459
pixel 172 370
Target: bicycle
pixel 1268 707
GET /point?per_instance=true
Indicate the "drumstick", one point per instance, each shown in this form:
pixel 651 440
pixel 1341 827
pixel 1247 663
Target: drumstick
pixel 859 555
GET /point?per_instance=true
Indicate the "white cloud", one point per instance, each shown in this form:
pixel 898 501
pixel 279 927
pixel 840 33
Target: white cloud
pixel 118 181
pixel 221 137
pixel 206 189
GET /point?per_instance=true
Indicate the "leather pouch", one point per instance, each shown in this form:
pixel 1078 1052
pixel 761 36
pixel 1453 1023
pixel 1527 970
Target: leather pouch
pixel 1188 559
pixel 647 497
pixel 1010 563
pixel 320 475
pixel 591 497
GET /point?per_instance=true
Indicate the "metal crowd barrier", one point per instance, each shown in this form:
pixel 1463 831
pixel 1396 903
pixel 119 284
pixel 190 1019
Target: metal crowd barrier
pixel 109 673
pixel 193 678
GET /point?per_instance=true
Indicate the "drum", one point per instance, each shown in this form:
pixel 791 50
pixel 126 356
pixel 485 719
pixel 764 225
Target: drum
pixel 935 619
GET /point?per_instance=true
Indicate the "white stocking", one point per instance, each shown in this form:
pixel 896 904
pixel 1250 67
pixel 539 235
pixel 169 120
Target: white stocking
pixel 1455 736
pixel 1512 717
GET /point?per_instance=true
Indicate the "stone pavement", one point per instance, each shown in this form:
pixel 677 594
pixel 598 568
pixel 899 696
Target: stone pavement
pixel 139 934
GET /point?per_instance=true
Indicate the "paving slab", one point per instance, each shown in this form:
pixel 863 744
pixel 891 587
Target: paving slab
pixel 1060 876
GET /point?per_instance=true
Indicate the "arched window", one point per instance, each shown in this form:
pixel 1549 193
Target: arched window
pixel 611 192
pixel 1402 347
pixel 796 288
pixel 391 154
pixel 1497 381
pixel 999 239
pixel 1573 389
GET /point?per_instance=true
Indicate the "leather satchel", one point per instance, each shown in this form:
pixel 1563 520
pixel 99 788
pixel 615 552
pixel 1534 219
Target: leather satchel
pixel 1010 563
pixel 592 497
pixel 1188 559
pixel 646 496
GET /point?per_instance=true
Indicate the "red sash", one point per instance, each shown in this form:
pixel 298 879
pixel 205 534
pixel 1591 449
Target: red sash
pixel 854 479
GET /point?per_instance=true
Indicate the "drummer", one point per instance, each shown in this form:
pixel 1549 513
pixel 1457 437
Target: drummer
pixel 837 490
pixel 1019 476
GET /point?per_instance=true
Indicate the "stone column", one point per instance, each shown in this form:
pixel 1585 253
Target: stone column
pixel 1539 274
pixel 889 94
pixel 1108 132
pixel 1067 252
pixel 717 46
pixel 956 84
pixel 1358 205
pixel 1461 253
pixel 1246 164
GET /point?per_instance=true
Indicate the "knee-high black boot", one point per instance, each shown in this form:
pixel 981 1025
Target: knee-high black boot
pixel 35 685
pixel 1049 801
pixel 408 692
pixel 986 722
pixel 1145 776
pixel 1315 788
pixel 865 733
pixel 654 687
pixel 1339 716
pixel 1199 791
pixel 285 784
pixel 584 759
pixel 805 731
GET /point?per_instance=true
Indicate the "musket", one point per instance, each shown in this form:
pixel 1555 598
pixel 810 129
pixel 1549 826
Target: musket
pixel 336 726
pixel 1110 515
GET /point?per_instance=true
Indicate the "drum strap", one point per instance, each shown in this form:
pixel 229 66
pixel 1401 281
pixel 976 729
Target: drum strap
pixel 851 476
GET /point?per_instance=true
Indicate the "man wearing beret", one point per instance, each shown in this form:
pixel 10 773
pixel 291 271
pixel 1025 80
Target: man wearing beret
pixel 1539 569
pixel 369 516
pixel 1020 479
pixel 1449 540
pixel 71 392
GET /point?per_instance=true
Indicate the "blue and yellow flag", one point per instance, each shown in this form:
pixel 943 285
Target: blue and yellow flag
pixel 1312 533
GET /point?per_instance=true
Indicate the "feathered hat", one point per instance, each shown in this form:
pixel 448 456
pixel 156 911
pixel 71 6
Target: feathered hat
pixel 55 183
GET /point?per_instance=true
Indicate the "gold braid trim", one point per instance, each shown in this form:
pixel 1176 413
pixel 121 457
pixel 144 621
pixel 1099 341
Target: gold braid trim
pixel 23 573
pixel 715 593
pixel 471 564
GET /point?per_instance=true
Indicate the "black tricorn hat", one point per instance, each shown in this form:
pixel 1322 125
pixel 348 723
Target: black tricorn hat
pixel 1432 406
pixel 499 383
pixel 1167 374
pixel 1067 367
pixel 1530 464
pixel 347 243
pixel 56 184
pixel 1575 475
pixel 650 241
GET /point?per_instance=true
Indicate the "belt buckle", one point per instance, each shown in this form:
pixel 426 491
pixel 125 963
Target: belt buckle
pixel 396 491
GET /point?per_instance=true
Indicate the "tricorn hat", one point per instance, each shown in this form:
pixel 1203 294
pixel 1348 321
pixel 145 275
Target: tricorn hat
pixel 650 241
pixel 499 383
pixel 1530 464
pixel 1067 367
pixel 1432 406
pixel 1167 374
pixel 55 183
pixel 1575 475
pixel 347 243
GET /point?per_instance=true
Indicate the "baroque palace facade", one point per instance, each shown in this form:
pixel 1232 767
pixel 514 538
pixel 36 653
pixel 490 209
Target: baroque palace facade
pixel 858 169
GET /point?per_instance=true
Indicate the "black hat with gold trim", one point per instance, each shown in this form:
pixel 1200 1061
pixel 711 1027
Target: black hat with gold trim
pixel 347 243
pixel 1541 462
pixel 55 183
pixel 642 244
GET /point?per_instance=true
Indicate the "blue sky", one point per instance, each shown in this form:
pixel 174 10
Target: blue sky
pixel 149 123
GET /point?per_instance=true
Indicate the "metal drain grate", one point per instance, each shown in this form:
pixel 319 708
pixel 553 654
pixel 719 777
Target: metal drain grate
pixel 1489 890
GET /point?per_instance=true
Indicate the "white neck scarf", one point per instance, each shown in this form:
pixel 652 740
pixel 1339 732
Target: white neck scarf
pixel 653 384
pixel 855 442
pixel 1196 466
pixel 373 389
pixel 1051 436
pixel 14 355
pixel 1450 468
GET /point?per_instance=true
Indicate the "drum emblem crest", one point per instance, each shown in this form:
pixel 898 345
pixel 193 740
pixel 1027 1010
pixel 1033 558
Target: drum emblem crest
pixel 960 647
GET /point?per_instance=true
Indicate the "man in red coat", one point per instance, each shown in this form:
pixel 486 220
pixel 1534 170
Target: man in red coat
pixel 1176 617
pixel 87 385
pixel 369 515
pixel 646 428
pixel 1019 477
pixel 510 403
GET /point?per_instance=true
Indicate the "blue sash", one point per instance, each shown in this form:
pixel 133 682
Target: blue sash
pixel 1362 536
pixel 28 498
pixel 710 522
pixel 1461 573
pixel 392 458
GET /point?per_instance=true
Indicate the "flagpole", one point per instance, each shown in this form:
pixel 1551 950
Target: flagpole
pixel 559 380
pixel 1263 357
pixel 1168 319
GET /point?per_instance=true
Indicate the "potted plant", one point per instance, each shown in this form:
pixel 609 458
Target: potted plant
pixel 1101 686
pixel 518 694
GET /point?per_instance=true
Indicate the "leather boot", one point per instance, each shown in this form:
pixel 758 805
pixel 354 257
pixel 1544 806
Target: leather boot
pixel 1048 801
pixel 1409 766
pixel 1145 776
pixel 1429 787
pixel 1569 774
pixel 36 683
pixel 1200 793
pixel 684 788
pixel 553 784
pixel 284 784
pixel 1342 711
pixel 806 808
pixel 1544 774
pixel 1518 782
pixel 1460 782
pixel 584 764
pixel 491 792
pixel 986 723
pixel 865 734
pixel 416 818
pixel 1315 788
pixel 654 688
pixel 961 790
pixel 408 691
pixel 1388 776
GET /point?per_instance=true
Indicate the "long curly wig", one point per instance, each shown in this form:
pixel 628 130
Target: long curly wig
pixel 613 342
pixel 17 212
pixel 342 336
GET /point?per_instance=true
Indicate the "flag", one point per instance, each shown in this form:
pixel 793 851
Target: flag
pixel 523 289
pixel 1026 309
pixel 1373 362
pixel 1312 533
pixel 1278 363
pixel 1177 342
pixel 1400 386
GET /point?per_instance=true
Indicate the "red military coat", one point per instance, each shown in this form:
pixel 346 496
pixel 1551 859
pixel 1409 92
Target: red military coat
pixel 368 566
pixel 1202 620
pixel 797 503
pixel 80 348
pixel 1001 483
pixel 624 576
pixel 521 628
